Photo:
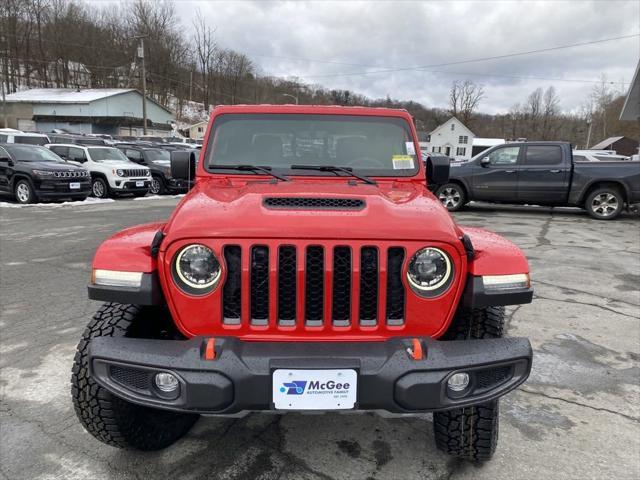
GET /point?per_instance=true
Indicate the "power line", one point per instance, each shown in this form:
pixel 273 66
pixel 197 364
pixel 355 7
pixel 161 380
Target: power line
pixel 473 60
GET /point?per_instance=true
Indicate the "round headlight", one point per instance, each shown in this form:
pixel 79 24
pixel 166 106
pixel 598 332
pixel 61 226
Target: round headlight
pixel 196 269
pixel 430 272
pixel 120 173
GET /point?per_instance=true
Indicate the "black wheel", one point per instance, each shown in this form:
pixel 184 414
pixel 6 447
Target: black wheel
pixel 108 418
pixel 24 192
pixel 471 432
pixel 157 186
pixel 604 203
pixel 99 188
pixel 452 196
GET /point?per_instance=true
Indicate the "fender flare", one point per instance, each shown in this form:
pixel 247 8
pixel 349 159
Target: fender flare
pixel 133 249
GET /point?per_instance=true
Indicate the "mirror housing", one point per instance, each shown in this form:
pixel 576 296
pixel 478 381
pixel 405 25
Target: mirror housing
pixel 183 165
pixel 437 170
pixel 6 160
pixel 485 162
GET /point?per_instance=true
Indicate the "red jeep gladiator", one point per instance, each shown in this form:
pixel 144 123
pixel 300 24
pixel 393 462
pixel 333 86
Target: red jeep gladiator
pixel 309 269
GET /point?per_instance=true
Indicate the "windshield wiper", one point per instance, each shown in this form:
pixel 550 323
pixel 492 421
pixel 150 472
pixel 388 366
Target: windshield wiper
pixel 251 168
pixel 333 168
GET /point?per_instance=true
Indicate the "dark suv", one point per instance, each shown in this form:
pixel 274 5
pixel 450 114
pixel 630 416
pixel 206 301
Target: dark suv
pixel 158 161
pixel 31 173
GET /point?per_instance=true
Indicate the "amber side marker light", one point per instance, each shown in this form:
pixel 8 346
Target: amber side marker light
pixel 502 283
pixel 114 278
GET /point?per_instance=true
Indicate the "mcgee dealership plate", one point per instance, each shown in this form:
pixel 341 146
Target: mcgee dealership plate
pixel 314 389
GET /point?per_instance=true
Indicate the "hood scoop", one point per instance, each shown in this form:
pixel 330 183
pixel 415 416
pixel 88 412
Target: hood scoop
pixel 313 203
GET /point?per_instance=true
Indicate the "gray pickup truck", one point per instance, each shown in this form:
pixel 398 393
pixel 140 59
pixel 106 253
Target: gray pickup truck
pixel 542 173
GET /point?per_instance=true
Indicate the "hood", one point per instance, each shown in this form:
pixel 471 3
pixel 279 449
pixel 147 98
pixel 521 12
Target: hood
pixel 54 166
pixel 121 164
pixel 391 210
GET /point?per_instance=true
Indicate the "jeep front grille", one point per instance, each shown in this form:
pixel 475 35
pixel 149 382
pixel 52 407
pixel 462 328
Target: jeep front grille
pixel 135 172
pixel 314 285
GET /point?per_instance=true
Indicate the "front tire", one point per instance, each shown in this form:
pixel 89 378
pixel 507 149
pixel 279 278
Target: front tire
pixel 452 196
pixel 99 188
pixel 157 186
pixel 471 432
pixel 108 418
pixel 604 203
pixel 24 192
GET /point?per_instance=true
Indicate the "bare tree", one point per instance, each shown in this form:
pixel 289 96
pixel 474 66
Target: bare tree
pixel 205 47
pixel 464 99
pixel 550 110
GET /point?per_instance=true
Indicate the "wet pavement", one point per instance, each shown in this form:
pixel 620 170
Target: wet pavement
pixel 576 417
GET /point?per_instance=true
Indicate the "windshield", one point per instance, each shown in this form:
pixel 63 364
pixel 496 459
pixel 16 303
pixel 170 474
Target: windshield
pixel 32 154
pixel 377 146
pixel 157 154
pixel 31 140
pixel 102 154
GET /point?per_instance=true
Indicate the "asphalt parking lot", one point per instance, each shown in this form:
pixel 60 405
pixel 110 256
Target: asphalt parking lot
pixel 577 416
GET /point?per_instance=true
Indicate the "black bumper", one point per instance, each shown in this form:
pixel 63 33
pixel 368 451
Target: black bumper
pixel 240 376
pixel 177 185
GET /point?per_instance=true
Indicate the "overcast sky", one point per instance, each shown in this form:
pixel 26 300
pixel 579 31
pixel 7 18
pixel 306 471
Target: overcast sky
pixel 378 35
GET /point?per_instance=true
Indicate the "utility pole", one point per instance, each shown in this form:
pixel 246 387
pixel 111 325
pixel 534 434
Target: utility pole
pixel 190 84
pixel 590 122
pixel 4 69
pixel 144 81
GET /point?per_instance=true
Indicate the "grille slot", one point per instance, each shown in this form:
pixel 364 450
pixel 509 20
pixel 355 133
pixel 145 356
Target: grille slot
pixel 395 288
pixel 341 302
pixel 368 286
pixel 306 203
pixel 260 285
pixel 71 174
pixel 287 266
pixel 492 376
pixel 131 377
pixel 314 286
pixel 232 292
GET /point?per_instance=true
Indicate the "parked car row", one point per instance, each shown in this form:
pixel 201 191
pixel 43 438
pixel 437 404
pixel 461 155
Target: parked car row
pixel 32 172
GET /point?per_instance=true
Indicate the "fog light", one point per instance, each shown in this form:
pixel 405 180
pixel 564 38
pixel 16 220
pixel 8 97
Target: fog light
pixel 458 382
pixel 166 382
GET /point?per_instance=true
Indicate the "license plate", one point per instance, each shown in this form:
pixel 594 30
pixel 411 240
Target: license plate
pixel 314 389
pixel 140 183
pixel 74 185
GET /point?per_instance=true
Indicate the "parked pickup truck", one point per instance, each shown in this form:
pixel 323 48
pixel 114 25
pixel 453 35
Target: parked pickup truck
pixel 542 173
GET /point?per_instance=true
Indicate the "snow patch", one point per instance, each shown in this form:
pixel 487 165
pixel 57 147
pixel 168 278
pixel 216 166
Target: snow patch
pixel 88 201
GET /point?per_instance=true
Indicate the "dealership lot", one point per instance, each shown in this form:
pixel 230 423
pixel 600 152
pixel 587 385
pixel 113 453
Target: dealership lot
pixel 578 416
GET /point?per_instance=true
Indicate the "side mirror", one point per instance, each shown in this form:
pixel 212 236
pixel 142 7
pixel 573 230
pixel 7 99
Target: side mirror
pixel 437 170
pixel 485 162
pixel 183 165
pixel 6 160
pixel 79 159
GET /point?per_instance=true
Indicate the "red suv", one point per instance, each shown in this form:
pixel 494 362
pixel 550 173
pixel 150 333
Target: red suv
pixel 310 268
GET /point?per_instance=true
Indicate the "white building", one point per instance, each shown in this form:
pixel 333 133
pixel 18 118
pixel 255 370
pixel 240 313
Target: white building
pixel 452 139
pixel 198 130
pixel 455 140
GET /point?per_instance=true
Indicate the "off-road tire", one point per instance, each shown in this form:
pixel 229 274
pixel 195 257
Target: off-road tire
pixel 471 432
pixel 476 324
pixel 108 418
pixel 604 203
pixel 452 196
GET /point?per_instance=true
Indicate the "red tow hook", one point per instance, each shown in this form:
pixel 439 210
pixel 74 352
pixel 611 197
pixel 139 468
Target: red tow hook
pixel 210 349
pixel 415 351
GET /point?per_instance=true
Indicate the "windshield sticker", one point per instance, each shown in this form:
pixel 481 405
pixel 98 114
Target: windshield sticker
pixel 402 162
pixel 411 149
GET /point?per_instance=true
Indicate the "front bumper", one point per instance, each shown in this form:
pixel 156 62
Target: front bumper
pixel 55 188
pixel 178 186
pixel 239 378
pixel 130 185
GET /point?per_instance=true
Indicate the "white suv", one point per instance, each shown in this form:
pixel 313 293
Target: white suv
pixel 111 172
